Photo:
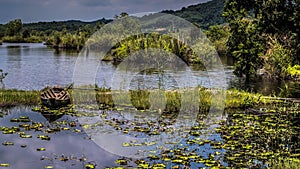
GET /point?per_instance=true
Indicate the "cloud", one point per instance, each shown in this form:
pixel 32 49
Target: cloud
pixel 95 3
pixel 87 10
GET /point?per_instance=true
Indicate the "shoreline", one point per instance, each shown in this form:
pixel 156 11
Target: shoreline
pixel 235 99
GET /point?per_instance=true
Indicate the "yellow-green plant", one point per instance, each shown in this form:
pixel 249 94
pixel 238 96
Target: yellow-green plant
pixel 294 71
pixel 285 163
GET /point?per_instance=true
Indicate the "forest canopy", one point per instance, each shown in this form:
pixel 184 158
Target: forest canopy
pixel 264 35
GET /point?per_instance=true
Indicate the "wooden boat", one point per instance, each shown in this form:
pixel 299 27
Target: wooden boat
pixel 55 97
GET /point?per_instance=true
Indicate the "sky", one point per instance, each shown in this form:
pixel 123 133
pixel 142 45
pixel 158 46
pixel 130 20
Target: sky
pixel 85 10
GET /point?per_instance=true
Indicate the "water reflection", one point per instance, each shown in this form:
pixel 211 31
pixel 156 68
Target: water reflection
pixel 34 66
pixel 65 149
pixel 63 52
pixel 14 55
pixel 235 139
pixel 268 87
pixel 261 135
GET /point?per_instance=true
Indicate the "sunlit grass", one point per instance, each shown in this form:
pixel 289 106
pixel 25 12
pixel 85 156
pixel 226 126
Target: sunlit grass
pixel 168 101
pixel 286 163
pixel 19 97
pixel 173 100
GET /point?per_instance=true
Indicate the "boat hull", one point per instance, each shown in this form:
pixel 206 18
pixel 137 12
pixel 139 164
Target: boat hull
pixel 55 98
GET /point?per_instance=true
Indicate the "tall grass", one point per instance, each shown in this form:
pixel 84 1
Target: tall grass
pixel 286 163
pixel 165 101
pixel 172 101
pixel 18 97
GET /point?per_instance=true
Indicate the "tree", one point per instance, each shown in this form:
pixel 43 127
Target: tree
pixel 26 34
pixel 280 18
pixel 57 39
pixel 218 35
pixel 244 43
pixel 122 15
pixel 2 31
pixel 249 47
pixel 14 27
pixel 252 22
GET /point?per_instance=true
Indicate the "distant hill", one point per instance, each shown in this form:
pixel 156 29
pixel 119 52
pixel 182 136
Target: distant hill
pixel 48 27
pixel 70 25
pixel 203 14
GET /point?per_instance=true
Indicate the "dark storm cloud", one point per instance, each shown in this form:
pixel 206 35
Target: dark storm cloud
pixel 49 10
pixel 95 3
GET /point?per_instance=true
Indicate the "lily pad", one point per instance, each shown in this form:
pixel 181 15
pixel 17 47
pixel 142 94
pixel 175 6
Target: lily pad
pixel 4 165
pixel 121 162
pixel 41 149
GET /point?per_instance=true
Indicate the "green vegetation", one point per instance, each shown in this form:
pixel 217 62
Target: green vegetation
pixel 18 97
pixel 65 34
pixel 152 40
pixel 235 99
pixel 68 40
pixel 73 33
pixel 285 163
pixel 14 32
pixel 278 59
pixel 294 71
pixel 258 131
pixel 14 28
pixel 267 135
pixel 261 36
pixel 218 35
pixel 261 134
pixel 255 137
pixel 69 26
pixel 264 35
pixel 204 14
pixel 139 98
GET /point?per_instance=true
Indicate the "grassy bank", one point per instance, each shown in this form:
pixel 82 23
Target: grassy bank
pixel 19 39
pixel 145 99
pixel 172 101
pixel 18 97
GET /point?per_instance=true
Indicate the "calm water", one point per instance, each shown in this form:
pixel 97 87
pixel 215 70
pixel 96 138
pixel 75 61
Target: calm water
pixel 34 66
pixel 64 144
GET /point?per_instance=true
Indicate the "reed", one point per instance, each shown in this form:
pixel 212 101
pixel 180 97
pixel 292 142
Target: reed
pixel 165 101
pixel 173 101
pixel 285 163
pixel 18 97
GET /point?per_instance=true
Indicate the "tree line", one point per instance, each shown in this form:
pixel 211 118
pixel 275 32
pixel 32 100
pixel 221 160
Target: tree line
pixel 73 31
pixel 64 34
pixel 203 15
pixel 262 36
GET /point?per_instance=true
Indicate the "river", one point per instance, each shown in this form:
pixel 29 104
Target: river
pixel 67 143
pixel 34 66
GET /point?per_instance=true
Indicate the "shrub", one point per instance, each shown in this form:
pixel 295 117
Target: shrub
pixel 277 59
pixel 294 71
